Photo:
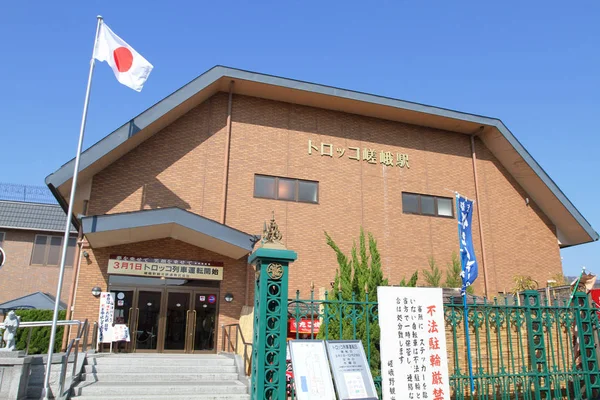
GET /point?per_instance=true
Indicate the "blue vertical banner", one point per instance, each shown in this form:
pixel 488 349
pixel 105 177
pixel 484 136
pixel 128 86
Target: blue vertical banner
pixel 467 252
pixel 464 211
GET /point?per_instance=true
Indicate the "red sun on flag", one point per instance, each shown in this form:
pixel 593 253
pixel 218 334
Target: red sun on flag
pixel 123 58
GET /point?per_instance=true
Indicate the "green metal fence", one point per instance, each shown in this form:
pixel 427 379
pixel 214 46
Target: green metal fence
pixel 525 348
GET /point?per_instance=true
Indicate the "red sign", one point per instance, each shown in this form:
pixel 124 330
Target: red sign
pixel 595 294
pixel 305 326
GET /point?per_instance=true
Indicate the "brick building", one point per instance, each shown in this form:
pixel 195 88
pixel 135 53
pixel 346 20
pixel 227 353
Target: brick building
pixel 31 234
pixel 194 177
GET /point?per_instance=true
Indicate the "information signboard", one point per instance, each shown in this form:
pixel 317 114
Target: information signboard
pixel 414 361
pixel 351 372
pixel 105 317
pixel 310 366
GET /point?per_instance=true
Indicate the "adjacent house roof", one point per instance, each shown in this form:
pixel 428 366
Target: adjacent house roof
pixel 137 226
pixel 32 216
pixel 572 227
pixel 37 300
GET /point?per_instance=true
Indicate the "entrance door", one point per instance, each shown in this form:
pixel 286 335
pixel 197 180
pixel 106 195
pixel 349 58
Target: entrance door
pixel 125 312
pixel 204 317
pixel 176 321
pixel 146 325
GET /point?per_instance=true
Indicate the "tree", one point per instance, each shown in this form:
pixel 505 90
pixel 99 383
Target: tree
pixel 523 283
pixel 433 276
pixel 357 274
pixel 559 280
pixel 412 282
pixel 453 278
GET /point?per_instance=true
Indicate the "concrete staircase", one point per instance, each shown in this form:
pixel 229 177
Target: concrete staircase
pixel 160 376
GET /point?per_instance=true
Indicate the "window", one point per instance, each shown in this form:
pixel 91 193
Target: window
pixel 273 187
pixel 422 204
pixel 2 234
pixel 47 250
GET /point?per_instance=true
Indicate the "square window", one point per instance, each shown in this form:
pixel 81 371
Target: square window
pixel 428 205
pixel 286 189
pixel 307 191
pixel 55 250
pixel 445 207
pixel 71 251
pixel 39 250
pixel 410 203
pixel 264 186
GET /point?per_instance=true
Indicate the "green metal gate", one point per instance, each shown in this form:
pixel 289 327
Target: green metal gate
pixel 522 348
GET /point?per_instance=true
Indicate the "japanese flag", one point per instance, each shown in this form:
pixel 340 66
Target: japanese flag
pixel 130 68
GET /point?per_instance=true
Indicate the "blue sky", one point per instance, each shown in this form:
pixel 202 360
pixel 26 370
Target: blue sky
pixel 534 64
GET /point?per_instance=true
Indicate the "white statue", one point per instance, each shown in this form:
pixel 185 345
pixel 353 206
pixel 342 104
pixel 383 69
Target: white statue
pixel 11 324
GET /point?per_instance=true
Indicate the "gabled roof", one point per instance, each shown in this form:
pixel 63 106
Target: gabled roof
pixel 37 300
pixel 136 226
pixel 572 227
pixel 32 216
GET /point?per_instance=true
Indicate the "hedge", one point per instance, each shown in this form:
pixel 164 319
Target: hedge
pixel 40 337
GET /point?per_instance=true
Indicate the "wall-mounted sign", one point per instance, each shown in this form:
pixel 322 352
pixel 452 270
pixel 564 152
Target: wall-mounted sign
pixel 312 377
pixel 158 267
pixel 106 317
pixel 202 298
pixel 414 361
pixel 367 154
pixel 353 379
pixel 212 299
pixel 2 257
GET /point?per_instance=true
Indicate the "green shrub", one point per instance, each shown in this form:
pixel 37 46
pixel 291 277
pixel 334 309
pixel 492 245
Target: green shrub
pixel 40 337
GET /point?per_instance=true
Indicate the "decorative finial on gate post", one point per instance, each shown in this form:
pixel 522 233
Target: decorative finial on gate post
pixel 271 235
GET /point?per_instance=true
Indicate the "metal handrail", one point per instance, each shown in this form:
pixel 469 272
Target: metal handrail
pixel 82 337
pixel 227 345
pixel 37 324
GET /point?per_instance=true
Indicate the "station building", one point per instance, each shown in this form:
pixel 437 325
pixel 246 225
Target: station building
pixel 172 202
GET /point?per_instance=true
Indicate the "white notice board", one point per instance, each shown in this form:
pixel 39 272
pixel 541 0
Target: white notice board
pixel 414 361
pixel 312 377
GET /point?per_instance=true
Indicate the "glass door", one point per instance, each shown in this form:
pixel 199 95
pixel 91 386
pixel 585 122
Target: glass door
pixel 148 314
pixel 176 321
pixel 204 317
pixel 124 314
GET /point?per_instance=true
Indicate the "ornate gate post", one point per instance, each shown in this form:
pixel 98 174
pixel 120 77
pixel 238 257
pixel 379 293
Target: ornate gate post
pixel 271 261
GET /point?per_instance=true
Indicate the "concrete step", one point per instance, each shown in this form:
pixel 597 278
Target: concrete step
pixel 136 390
pixel 174 397
pixel 197 369
pixel 182 376
pixel 160 360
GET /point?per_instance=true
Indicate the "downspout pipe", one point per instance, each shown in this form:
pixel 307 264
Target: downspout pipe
pixel 226 159
pixel 76 266
pixel 478 201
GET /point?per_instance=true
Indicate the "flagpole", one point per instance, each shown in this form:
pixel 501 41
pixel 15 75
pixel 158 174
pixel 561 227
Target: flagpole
pixel 464 296
pixel 46 390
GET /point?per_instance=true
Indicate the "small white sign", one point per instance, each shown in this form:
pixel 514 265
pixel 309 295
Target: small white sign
pixel 310 365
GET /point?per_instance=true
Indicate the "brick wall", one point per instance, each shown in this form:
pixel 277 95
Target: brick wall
pixel 183 166
pixel 18 278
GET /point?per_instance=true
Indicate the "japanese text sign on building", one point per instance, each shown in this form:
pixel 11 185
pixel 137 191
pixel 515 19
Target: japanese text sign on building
pixel 414 362
pixel 312 376
pixel 351 371
pixel 366 154
pixel 105 317
pixel 156 267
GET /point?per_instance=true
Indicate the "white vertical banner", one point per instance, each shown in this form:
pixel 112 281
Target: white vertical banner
pixel 414 361
pixel 105 317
